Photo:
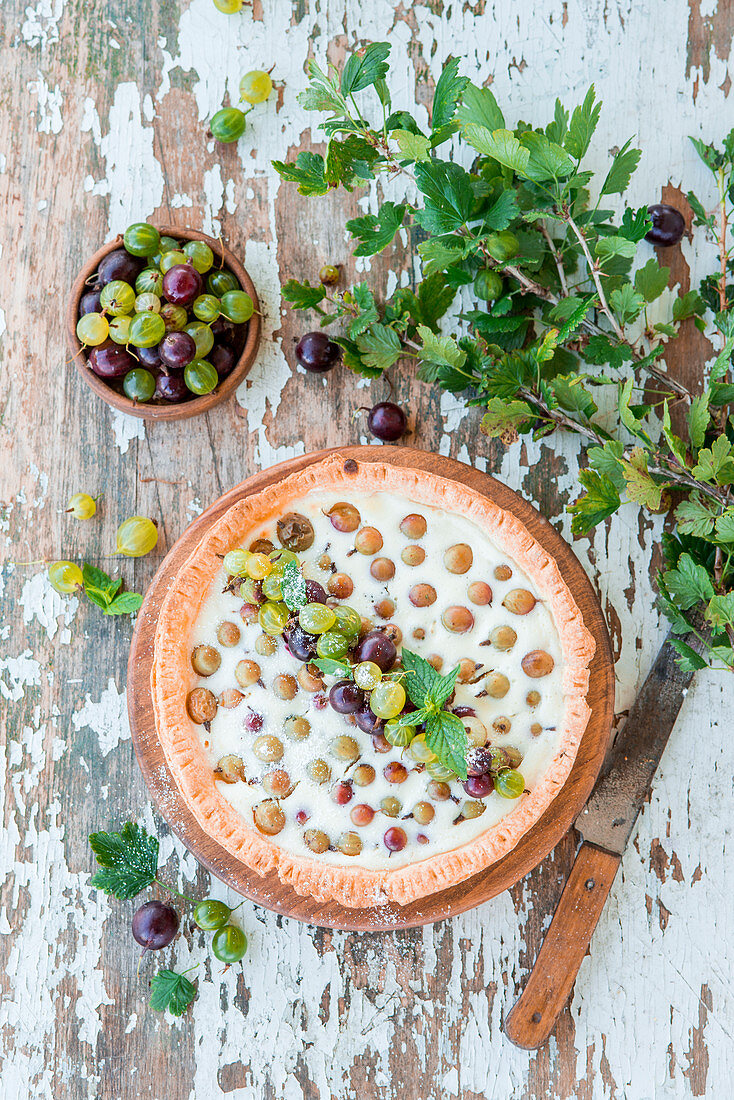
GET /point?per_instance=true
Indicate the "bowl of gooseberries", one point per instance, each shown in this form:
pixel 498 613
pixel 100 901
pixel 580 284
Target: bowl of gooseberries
pixel 163 322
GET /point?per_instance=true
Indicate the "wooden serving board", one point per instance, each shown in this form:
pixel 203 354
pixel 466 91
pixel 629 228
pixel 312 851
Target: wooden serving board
pixel 268 890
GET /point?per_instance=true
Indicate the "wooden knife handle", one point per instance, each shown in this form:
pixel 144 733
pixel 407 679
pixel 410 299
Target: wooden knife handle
pixel 533 1016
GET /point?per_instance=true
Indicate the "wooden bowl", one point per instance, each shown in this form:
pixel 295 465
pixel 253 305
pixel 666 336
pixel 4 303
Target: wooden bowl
pixel 250 339
pixel 268 890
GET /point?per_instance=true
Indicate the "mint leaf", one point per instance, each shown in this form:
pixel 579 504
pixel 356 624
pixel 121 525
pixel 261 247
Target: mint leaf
pixel 127 603
pixel 129 860
pixel 584 121
pixel 446 736
pixel 365 69
pixel 415 718
pixel 375 231
pixel 99 587
pixel 293 587
pixel 689 583
pixel 172 991
pixel 334 668
pixel 303 295
pixel 422 677
pixel 445 686
pixel 448 92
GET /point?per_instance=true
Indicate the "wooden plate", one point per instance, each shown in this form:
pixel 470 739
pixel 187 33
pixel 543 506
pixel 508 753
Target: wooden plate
pixel 269 890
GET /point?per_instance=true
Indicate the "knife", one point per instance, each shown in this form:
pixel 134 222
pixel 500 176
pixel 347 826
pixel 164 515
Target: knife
pixel 606 824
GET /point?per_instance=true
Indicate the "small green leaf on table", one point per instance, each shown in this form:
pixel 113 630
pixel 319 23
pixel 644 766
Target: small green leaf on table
pixel 172 991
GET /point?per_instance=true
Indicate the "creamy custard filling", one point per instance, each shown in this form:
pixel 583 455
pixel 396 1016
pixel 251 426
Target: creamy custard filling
pixel 529 717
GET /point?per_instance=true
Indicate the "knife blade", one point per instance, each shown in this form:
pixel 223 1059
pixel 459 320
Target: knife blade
pixel 606 824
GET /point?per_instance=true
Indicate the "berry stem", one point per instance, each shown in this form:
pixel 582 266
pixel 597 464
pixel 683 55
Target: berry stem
pixel 173 890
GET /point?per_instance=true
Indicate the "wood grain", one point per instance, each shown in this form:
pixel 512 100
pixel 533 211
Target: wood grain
pixel 246 347
pixel 268 890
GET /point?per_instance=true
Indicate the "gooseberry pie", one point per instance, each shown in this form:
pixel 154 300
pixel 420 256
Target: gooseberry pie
pixel 370 679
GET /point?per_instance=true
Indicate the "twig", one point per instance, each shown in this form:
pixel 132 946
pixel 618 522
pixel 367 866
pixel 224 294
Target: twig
pixel 557 259
pixel 594 272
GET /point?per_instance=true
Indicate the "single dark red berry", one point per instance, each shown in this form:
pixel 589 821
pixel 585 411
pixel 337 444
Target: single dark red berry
pixel 387 421
pixel 668 225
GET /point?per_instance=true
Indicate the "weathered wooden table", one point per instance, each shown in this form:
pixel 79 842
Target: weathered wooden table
pixel 102 110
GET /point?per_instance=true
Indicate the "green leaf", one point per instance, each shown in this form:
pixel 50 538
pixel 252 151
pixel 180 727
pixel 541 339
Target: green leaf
pixel 293 587
pixel 626 302
pixel 322 93
pixel 353 360
pixel 678 622
pixel 505 418
pixel 438 254
pixel 689 660
pixel 308 171
pixel 689 583
pixel 558 128
pixel 414 718
pixel 725 525
pixel 575 309
pixel 364 69
pixel 547 160
pixel 349 162
pixel 421 679
pixel 448 196
pixel 698 420
pixel 626 414
pixel 442 350
pixel 448 92
pixel 501 145
pixel 303 295
pixel 127 603
pixel 172 991
pixel 571 394
pixel 502 212
pixel 600 500
pixel 635 224
pixel 600 349
pixel 723 360
pixel 99 587
pixel 607 461
pixel 584 121
pixel 715 463
pixel 614 246
pixel 379 347
pixel 676 444
pixel 696 515
pixel 412 146
pixel 375 231
pixel 651 280
pixel 640 486
pixel 687 305
pixel 444 687
pixel 720 394
pixel 362 296
pixel 720 610
pixel 446 736
pixel 479 107
pixel 619 175
pixel 334 668
pixel 434 297
pixel 129 860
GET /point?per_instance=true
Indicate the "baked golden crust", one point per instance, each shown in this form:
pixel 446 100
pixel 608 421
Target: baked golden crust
pixel 172 678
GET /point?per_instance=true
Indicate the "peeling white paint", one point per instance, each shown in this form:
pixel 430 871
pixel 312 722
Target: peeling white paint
pixel 107 718
pixel 41 602
pixel 41 26
pixel 126 428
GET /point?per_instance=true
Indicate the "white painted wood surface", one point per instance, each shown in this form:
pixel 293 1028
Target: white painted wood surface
pixel 317 1015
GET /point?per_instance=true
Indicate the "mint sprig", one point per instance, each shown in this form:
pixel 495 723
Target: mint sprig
pixel 429 690
pixel 293 587
pixel 334 668
pixel 103 591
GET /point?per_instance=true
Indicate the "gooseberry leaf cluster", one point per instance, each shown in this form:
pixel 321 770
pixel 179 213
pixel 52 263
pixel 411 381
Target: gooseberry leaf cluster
pixel 561 316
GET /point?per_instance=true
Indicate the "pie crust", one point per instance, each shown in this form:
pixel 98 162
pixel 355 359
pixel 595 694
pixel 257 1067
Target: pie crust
pixel 172 678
